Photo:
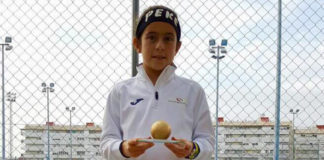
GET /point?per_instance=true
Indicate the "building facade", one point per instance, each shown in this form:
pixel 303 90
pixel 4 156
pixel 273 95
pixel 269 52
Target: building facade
pixel 85 142
pixel 252 140
pixel 309 143
pixel 237 141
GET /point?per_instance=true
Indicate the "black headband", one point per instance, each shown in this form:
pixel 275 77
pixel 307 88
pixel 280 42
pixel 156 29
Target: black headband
pixel 158 14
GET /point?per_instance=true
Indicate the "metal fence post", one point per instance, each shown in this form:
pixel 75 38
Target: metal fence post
pixel 8 47
pixel 134 53
pixel 278 85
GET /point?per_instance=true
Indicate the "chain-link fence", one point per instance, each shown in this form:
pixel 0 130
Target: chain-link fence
pixel 84 47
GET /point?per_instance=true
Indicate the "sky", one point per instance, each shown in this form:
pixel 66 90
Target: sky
pixel 84 47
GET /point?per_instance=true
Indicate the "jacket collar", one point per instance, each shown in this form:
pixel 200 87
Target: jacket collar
pixel 166 75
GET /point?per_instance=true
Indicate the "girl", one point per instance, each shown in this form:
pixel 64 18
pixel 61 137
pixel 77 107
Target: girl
pixel 156 93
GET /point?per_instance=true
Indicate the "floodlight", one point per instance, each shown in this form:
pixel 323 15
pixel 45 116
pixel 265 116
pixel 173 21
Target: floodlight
pixel 212 51
pixel 9 47
pixel 212 42
pixel 223 51
pixel 221 57
pixel 8 39
pixel 224 42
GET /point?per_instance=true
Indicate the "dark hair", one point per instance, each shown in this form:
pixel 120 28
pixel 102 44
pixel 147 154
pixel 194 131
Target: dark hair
pixel 146 18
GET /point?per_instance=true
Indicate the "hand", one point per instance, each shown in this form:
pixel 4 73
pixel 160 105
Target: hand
pixel 132 148
pixel 182 149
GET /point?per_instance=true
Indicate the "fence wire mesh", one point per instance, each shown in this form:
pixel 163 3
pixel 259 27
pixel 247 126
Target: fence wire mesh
pixel 84 48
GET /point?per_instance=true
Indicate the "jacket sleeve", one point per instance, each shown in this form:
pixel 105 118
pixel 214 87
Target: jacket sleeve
pixel 111 136
pixel 203 133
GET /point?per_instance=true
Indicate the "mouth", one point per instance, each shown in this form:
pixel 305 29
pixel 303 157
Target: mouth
pixel 159 57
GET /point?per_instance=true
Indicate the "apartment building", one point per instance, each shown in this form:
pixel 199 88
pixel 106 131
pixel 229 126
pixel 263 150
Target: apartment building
pixel 85 142
pixel 309 143
pixel 252 140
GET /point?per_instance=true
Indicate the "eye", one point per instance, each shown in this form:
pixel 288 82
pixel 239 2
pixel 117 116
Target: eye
pixel 150 37
pixel 169 38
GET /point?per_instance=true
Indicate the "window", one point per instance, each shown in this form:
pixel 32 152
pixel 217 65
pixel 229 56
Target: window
pixel 94 139
pixel 81 153
pixel 269 143
pixel 63 153
pixel 80 138
pixel 283 143
pixel 233 143
pixel 284 128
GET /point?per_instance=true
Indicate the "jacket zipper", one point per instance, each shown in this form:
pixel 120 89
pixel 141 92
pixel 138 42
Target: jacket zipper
pixel 156 96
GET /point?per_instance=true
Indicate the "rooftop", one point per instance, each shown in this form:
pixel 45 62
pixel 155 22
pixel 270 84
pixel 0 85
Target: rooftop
pixel 88 126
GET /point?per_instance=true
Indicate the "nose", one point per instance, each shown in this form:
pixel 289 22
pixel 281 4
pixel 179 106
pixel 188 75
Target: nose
pixel 160 44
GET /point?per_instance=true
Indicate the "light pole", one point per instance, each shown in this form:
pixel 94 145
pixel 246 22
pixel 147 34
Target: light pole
pixel 212 47
pixel 70 110
pixel 47 89
pixel 8 47
pixel 11 97
pixel 293 112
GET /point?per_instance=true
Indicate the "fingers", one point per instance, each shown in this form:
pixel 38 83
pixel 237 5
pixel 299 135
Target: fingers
pixel 181 149
pixel 133 148
pixel 132 142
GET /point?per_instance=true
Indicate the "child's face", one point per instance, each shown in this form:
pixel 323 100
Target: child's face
pixel 158 45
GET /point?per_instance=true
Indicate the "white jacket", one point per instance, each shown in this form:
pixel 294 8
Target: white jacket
pixel 135 104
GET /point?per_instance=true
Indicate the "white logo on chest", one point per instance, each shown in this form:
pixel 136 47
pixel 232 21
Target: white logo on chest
pixel 178 100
